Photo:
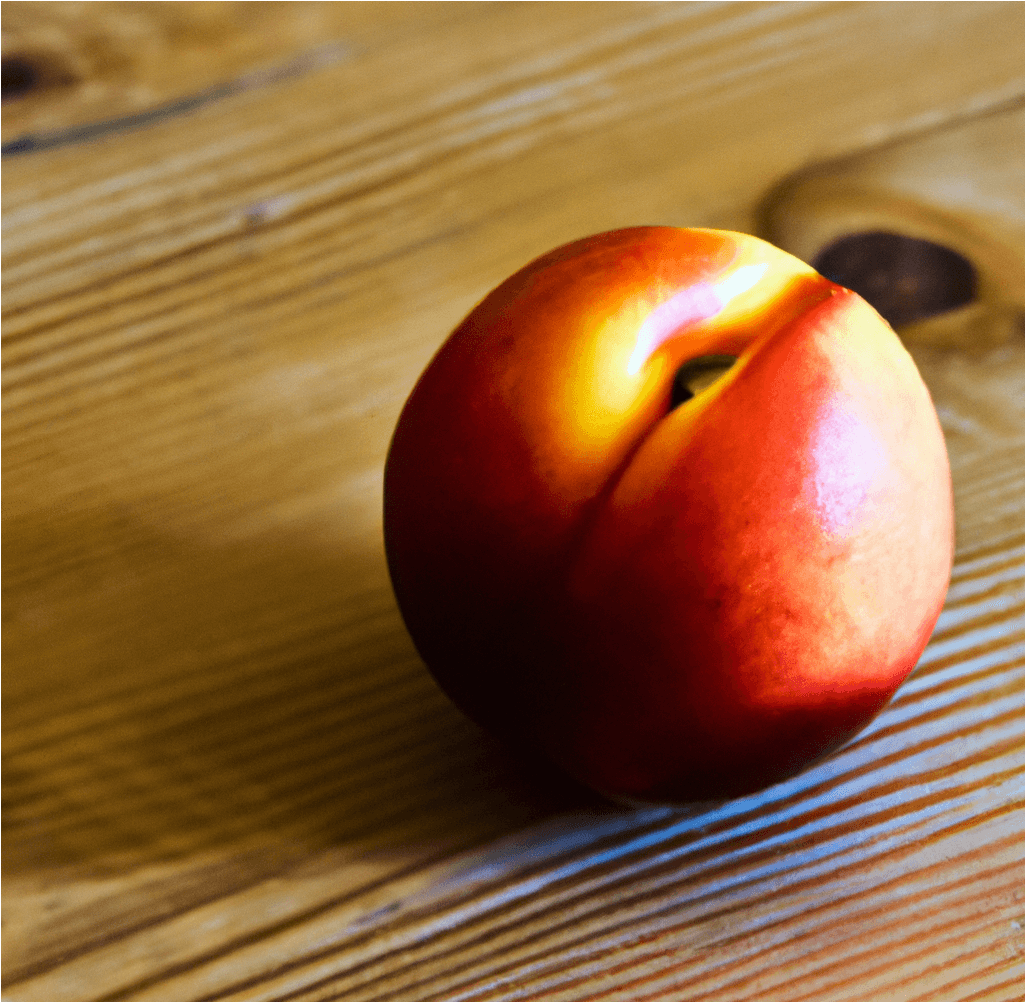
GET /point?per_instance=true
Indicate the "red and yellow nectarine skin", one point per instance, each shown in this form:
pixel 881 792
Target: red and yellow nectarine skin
pixel 672 603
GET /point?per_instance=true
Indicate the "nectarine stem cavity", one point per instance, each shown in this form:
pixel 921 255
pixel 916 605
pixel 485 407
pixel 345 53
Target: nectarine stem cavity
pixel 696 375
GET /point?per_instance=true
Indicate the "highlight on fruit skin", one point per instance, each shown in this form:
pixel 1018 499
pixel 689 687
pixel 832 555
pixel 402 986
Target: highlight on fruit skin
pixel 673 601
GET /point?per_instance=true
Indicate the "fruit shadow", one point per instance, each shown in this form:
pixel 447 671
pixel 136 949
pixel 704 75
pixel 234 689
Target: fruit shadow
pixel 167 699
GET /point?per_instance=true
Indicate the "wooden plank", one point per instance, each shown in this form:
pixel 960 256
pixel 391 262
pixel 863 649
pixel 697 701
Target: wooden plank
pixel 228 775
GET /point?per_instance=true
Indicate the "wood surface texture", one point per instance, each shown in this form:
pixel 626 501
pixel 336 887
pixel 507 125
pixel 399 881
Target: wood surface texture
pixel 227 774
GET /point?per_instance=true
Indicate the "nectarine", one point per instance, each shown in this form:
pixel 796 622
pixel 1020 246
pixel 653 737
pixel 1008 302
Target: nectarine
pixel 675 596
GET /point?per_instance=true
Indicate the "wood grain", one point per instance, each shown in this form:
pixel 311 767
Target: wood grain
pixel 227 774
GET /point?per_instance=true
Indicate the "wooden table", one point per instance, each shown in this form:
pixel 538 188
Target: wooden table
pixel 234 234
